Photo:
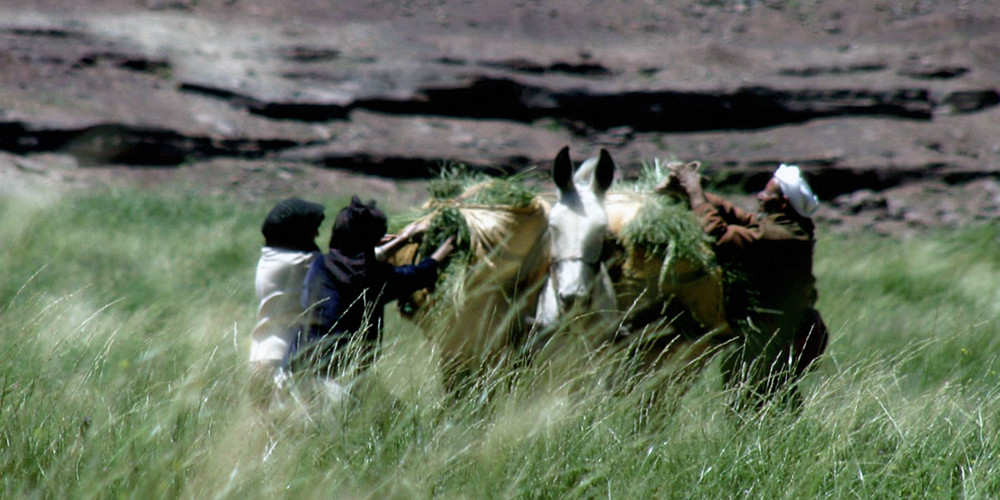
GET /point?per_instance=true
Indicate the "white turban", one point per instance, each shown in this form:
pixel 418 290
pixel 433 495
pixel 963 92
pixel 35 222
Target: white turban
pixel 796 189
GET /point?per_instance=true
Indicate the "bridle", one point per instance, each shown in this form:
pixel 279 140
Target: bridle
pixel 594 265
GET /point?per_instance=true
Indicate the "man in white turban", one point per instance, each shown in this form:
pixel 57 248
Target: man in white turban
pixel 796 190
pixel 768 257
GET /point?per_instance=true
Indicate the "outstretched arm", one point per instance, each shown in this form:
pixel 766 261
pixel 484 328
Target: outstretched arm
pixel 410 278
pixel 726 223
pixel 732 228
pixel 408 234
pixel 444 250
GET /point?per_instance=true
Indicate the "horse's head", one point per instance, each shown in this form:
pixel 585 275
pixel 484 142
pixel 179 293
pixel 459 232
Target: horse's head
pixel 577 226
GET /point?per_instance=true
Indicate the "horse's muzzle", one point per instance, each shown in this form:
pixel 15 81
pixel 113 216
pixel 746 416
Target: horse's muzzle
pixel 573 302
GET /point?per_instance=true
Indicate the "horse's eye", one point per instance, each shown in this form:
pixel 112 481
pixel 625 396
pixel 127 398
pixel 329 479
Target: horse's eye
pixel 592 253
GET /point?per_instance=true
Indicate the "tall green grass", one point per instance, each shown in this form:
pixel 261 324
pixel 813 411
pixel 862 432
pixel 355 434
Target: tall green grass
pixel 124 323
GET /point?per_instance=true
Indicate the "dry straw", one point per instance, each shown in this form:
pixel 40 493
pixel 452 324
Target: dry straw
pixel 458 190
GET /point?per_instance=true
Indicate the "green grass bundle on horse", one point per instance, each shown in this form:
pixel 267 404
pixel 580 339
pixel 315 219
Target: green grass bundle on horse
pixel 486 296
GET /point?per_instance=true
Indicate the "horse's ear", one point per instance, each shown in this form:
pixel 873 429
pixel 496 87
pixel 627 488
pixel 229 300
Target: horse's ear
pixel 562 170
pixel 605 173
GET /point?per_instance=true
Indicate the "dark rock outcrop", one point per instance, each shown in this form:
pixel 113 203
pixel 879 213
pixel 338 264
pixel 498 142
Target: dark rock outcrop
pixel 871 102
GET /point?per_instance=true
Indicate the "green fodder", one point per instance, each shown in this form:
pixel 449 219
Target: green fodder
pixel 650 175
pixel 447 221
pixel 476 188
pixel 664 226
pixel 455 193
pixel 668 229
pixel 457 187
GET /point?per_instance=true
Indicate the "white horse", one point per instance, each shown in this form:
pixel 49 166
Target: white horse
pixel 667 312
pixel 578 287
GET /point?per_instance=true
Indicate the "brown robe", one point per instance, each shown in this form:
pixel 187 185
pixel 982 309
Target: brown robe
pixel 775 253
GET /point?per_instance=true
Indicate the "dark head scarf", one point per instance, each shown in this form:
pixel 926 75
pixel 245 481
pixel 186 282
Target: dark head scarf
pixel 358 228
pixel 356 231
pixel 292 224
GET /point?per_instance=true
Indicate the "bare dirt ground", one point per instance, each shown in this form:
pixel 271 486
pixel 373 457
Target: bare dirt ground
pixel 891 106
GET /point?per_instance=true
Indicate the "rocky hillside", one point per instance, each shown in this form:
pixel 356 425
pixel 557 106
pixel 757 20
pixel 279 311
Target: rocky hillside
pixel 892 107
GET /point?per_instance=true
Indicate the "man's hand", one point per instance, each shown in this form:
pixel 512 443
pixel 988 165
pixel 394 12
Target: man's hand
pixel 688 180
pixel 687 175
pixel 390 244
pixel 671 186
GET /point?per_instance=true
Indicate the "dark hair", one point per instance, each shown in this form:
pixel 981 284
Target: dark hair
pixel 292 224
pixel 358 227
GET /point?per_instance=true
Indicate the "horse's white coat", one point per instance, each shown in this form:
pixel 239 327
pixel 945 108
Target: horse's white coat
pixel 578 280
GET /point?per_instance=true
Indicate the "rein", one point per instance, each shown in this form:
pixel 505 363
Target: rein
pixel 596 264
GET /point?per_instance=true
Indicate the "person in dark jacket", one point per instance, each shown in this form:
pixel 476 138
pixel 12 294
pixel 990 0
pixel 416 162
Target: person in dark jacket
pixel 772 252
pixel 346 290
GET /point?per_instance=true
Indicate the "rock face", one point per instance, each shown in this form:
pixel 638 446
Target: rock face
pixel 892 108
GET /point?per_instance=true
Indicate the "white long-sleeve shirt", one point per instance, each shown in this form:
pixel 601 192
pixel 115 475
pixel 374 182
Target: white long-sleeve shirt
pixel 280 274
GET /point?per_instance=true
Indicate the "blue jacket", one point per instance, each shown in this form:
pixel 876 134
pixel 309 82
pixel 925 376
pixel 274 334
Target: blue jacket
pixel 345 297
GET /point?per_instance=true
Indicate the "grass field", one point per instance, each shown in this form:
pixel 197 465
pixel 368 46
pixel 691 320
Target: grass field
pixel 124 323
